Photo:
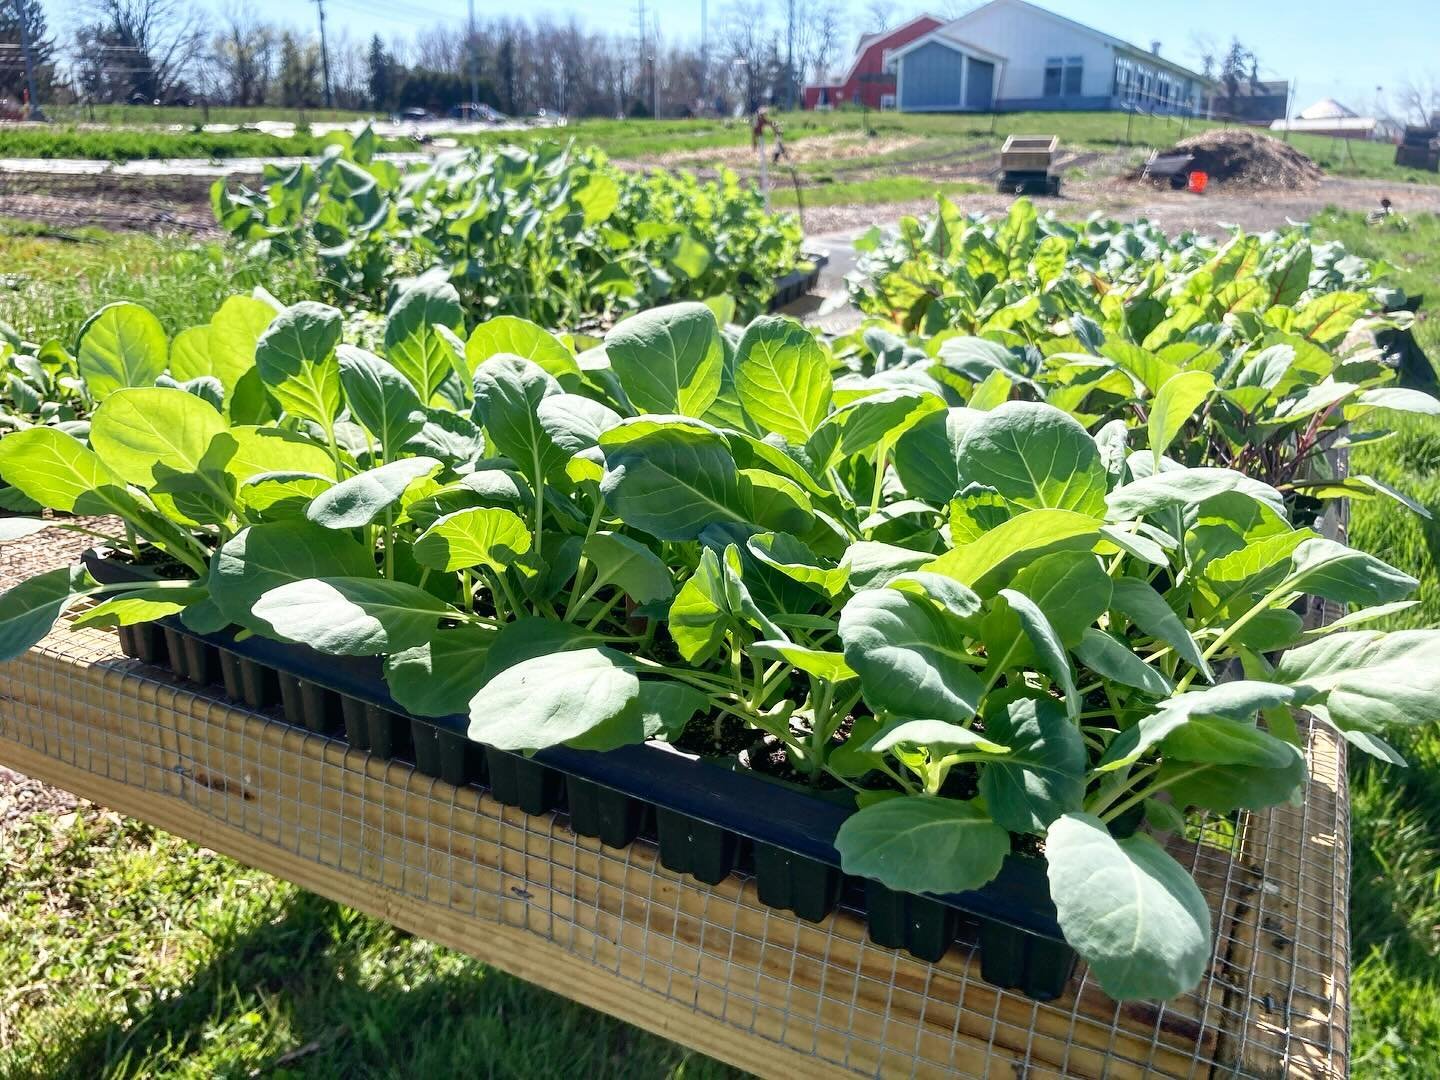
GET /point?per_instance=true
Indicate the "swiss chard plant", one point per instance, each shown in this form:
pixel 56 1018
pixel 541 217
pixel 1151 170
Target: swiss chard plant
pixel 1000 634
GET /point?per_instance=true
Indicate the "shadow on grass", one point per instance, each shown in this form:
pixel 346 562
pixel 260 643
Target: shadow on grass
pixel 321 990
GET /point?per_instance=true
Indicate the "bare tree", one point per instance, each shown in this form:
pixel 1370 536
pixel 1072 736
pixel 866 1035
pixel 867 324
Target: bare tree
pixel 879 16
pixel 752 45
pixel 819 46
pixel 140 48
pixel 243 56
pixel 1418 99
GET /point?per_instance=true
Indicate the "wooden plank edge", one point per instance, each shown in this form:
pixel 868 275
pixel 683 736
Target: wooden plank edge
pixel 512 950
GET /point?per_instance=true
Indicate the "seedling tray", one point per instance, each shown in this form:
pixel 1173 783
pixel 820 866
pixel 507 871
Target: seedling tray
pixel 799 281
pixel 709 819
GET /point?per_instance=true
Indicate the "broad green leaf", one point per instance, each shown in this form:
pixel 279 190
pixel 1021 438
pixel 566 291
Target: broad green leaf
pixel 296 360
pixel 1036 456
pixel 575 423
pixel 142 605
pixel 1042 776
pixel 279 496
pixel 380 397
pixel 1185 487
pixel 698 617
pixel 55 469
pixel 910 656
pixel 264 557
pixel 18 528
pixel 874 565
pixel 985 563
pixel 869 424
pixel 508 394
pixel 629 564
pixel 1235 702
pixel 927 455
pixel 783 378
pixel 122 344
pixel 1147 609
pixel 1326 568
pixel 530 636
pixel 550 699
pixel 1105 656
pixel 774 503
pixel 484 536
pixel 668 359
pixel 414 345
pixel 352 616
pixel 960 600
pixel 829 666
pixel 798 562
pixel 663 710
pixel 1368 679
pixel 519 337
pixel 1021 615
pixel 250 451
pixel 439 677
pixel 29 610
pixel 936 736
pixel 363 498
pixel 1133 913
pixel 1226 788
pixel 670 476
pixel 922 844
pixel 1401 399
pixel 226 349
pixel 1174 405
pixel 146 435
pixel 1070 587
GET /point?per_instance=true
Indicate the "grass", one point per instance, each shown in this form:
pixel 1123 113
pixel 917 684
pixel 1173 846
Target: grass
pixel 1395 813
pixel 132 953
pixel 58 277
pixel 869 192
pixel 142 115
pixel 130 145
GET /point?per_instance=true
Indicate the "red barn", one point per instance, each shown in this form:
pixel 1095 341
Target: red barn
pixel 867 82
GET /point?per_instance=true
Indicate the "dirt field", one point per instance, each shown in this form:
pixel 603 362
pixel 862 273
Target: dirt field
pixel 126 204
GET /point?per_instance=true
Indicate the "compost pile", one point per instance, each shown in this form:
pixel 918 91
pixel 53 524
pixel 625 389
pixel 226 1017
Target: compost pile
pixel 1248 159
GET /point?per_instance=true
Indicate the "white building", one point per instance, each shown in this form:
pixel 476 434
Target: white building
pixel 1011 55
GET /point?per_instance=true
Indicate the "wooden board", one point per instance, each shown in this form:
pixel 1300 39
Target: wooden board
pixel 708 967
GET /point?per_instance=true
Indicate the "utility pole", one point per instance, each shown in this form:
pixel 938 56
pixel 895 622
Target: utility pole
pixel 470 63
pixel 704 51
pixel 325 56
pixel 21 14
pixel 790 54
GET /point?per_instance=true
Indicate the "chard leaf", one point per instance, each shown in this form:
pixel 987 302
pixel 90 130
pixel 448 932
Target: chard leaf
pixel 121 345
pixel 1176 402
pixel 927 455
pixel 142 605
pixel 1036 456
pixel 439 677
pixel 484 536
pixel 380 397
pixel 922 844
pixel 1226 788
pixel 1401 399
pixel 1042 774
pixel 530 636
pixel 668 359
pixel 364 497
pixel 508 395
pixel 958 599
pixel 1234 703
pixel 230 342
pixel 936 736
pixel 874 565
pixel 876 421
pixel 823 665
pixel 551 699
pixel 1070 588
pixel 782 376
pixel 295 357
pixel 1185 487
pixel 1132 912
pixel 908 654
pixel 796 561
pixel 575 423
pixel 352 616
pixel 670 476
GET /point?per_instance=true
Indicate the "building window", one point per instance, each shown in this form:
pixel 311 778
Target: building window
pixel 887 101
pixel 1063 76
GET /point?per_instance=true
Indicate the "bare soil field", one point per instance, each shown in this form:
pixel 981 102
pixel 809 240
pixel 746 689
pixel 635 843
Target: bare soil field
pixel 152 204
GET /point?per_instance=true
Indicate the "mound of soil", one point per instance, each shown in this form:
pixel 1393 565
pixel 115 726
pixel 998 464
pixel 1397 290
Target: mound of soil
pixel 1248 159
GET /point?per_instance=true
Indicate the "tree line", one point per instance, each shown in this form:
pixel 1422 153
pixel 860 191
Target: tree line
pixel 178 52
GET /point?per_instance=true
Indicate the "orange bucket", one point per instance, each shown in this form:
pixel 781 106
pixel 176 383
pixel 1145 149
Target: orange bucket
pixel 1198 180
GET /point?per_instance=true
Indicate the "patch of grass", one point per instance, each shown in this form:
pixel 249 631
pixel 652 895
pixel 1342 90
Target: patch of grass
pixel 1395 813
pixel 139 115
pixel 55 278
pixel 132 145
pixel 131 953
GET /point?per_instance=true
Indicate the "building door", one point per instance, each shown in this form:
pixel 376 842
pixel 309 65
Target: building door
pixel 930 78
pixel 980 85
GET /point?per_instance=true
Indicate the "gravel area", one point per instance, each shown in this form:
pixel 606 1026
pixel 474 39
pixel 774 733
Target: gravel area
pixel 22 797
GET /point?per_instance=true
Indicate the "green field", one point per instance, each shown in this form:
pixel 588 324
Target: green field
pixel 153 115
pixel 690 140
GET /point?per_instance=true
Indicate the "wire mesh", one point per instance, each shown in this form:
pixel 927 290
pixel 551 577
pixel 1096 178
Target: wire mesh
pixel 1274 1001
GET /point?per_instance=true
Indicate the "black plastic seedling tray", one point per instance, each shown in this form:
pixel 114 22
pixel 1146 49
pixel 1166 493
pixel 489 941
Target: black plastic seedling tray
pixel 709 820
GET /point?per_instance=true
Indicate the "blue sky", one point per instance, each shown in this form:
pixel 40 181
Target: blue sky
pixel 1332 48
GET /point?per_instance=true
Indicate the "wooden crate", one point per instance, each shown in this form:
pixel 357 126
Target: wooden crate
pixel 708 967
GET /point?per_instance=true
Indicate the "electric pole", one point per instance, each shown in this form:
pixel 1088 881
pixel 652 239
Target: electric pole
pixel 704 51
pixel 470 63
pixel 790 54
pixel 21 16
pixel 325 56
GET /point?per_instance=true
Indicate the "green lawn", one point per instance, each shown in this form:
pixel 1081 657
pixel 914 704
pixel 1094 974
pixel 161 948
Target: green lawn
pixel 127 952
pixel 150 115
pixel 131 145
pixel 1395 899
